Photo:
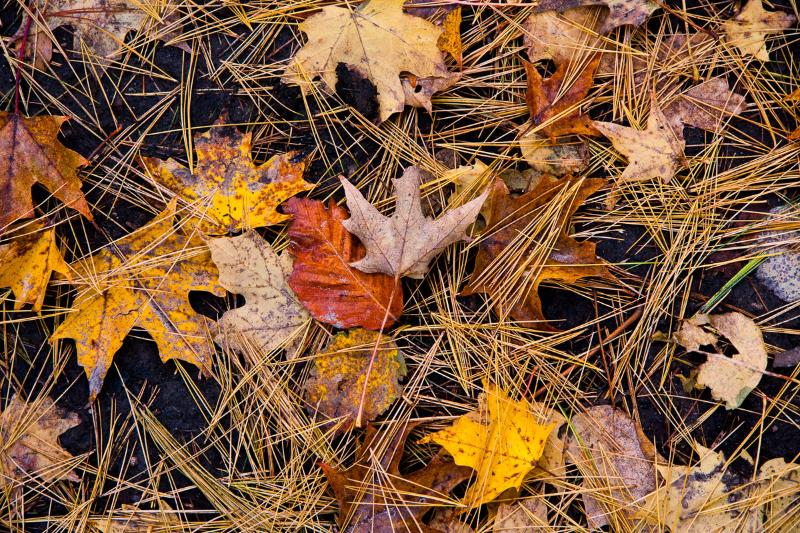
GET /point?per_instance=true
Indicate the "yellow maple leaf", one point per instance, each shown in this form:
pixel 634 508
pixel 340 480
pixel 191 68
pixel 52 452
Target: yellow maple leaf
pixel 501 440
pixel 228 191
pixel 142 280
pixel 26 264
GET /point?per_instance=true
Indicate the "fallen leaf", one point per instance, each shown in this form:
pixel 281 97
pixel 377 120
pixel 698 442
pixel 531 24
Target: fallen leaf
pixel 450 39
pixel 29 433
pixel 508 243
pixel 748 30
pixel 27 262
pixel 556 159
pixel 779 482
pixel 699 499
pixel 778 272
pixel 563 37
pixel 707 106
pixel 653 153
pixel 529 514
pixel 446 521
pixel 227 190
pixel 554 102
pixel 501 440
pixel 380 42
pixel 405 243
pixel 692 335
pixel 468 180
pixel 144 280
pixel 30 153
pixel 617 466
pixel 336 379
pixel 374 497
pixel 620 12
pixel 271 314
pixel 130 519
pixel 334 292
pixel 787 359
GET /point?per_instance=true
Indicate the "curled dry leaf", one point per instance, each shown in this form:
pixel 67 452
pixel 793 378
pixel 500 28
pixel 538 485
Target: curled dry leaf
pixel 29 434
pixel 334 292
pixel 228 192
pixel 374 497
pixel 26 264
pixel 616 462
pixel 143 280
pixel 620 12
pixel 529 514
pixel 379 41
pixel 271 314
pixel 405 243
pixel 508 244
pixel 336 379
pixel 748 30
pixel 501 440
pixel 30 153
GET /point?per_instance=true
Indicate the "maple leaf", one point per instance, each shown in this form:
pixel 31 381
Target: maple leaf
pixel 228 191
pixel 374 497
pixel 326 284
pixel 271 314
pixel 501 440
pixel 610 449
pixel 336 380
pixel 620 12
pixel 555 107
pixel 653 153
pixel 29 433
pixel 507 241
pixel 405 243
pixel 30 153
pixel 748 30
pixel 380 42
pixel 563 37
pixel 142 280
pixel 705 106
pixel 27 262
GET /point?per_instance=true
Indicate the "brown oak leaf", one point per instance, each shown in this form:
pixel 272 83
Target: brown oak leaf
pixel 323 280
pixel 514 257
pixel 405 243
pixel 30 153
pixel 374 497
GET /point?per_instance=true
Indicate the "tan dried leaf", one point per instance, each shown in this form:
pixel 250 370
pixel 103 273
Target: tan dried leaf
pixel 708 106
pixel 563 37
pixel 620 12
pixel 779 487
pixel 749 29
pixel 524 515
pixel 555 158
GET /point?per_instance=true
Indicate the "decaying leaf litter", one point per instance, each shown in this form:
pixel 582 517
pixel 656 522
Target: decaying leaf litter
pixel 533 271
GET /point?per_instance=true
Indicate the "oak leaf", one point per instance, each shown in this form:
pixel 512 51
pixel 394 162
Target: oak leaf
pixel 379 41
pixel 227 190
pixel 620 12
pixel 29 433
pixel 334 292
pixel 374 497
pixel 144 280
pixel 271 314
pixel 501 440
pixel 653 153
pixel 532 230
pixel 749 29
pixel 30 153
pixel 336 379
pixel 26 264
pixel 529 514
pixel 405 243
pixel 554 107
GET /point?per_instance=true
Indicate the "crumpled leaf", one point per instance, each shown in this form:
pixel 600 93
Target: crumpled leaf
pixel 271 314
pixel 779 483
pixel 405 243
pixel 620 12
pixel 27 262
pixel 501 440
pixel 730 379
pixel 529 514
pixel 707 106
pixel 512 239
pixel 228 191
pixel 29 433
pixel 616 461
pixel 142 279
pixel 699 499
pixel 554 107
pixel 653 153
pixel 563 37
pixel 336 379
pixel 30 153
pixel 374 497
pixel 334 292
pixel 379 41
pixel 557 159
pixel 748 30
